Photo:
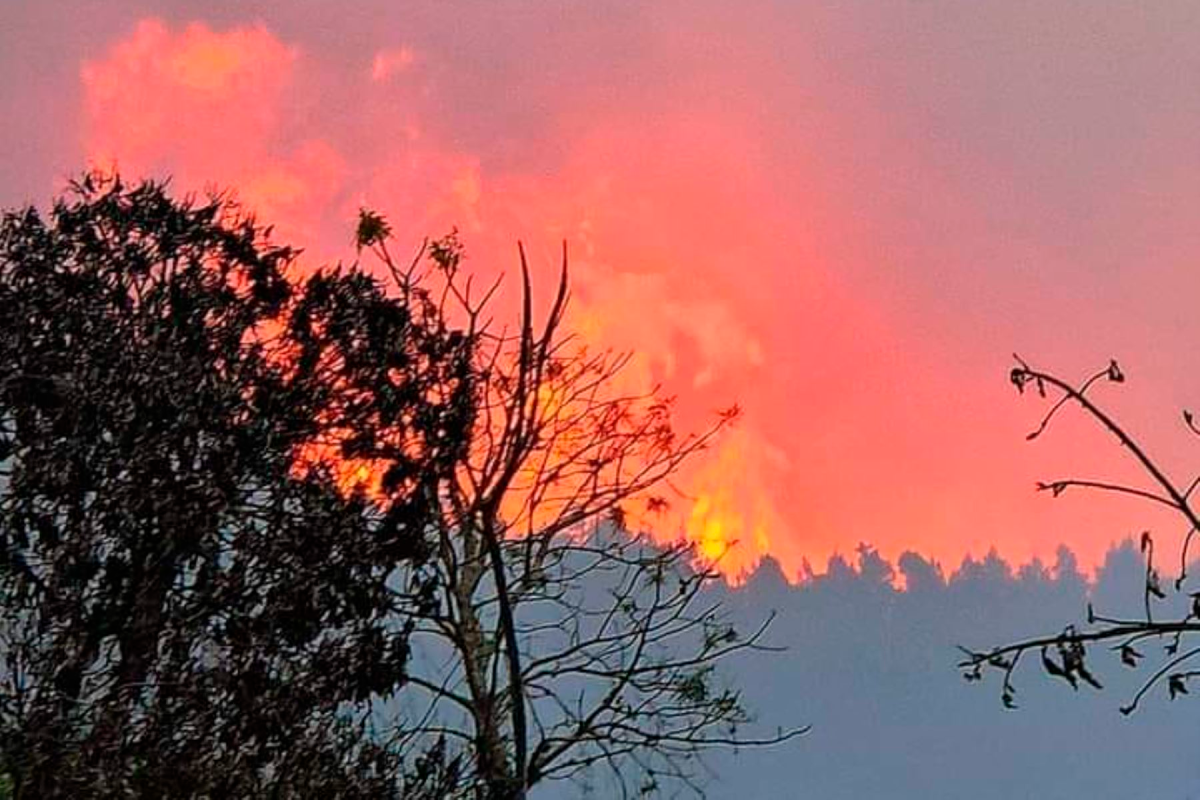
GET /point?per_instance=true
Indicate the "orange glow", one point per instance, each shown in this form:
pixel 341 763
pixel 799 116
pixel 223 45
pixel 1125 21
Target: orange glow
pixel 351 476
pixel 205 107
pixel 731 517
pixel 682 252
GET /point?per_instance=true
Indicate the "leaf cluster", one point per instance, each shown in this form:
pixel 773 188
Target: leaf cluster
pixel 185 611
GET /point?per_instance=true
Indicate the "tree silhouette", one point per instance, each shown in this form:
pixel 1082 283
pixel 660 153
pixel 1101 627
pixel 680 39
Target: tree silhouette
pixel 1065 655
pixel 188 607
pixel 328 535
pixel 560 641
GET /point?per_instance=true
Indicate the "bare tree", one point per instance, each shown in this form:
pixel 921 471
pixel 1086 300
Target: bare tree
pixel 559 641
pixel 1169 644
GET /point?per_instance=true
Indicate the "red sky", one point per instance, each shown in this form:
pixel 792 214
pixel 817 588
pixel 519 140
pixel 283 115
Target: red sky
pixel 844 218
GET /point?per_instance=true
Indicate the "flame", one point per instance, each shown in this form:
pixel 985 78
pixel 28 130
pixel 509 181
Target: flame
pixel 731 515
pixel 215 106
pixel 684 251
pixel 352 476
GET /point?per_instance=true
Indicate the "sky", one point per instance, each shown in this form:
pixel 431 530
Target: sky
pixel 845 217
pixel 842 216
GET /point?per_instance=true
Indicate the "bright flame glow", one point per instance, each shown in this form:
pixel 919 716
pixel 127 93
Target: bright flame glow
pixel 685 251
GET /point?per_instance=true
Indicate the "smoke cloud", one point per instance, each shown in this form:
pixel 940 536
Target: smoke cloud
pixel 841 217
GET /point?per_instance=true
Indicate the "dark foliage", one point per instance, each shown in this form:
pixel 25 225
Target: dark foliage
pixel 193 603
pixel 242 511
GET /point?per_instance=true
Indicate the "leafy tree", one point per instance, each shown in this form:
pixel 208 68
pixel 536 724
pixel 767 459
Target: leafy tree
pixel 1159 636
pixel 274 535
pixel 191 604
pixel 559 643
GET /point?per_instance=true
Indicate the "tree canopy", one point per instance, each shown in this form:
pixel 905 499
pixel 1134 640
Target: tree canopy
pixel 185 612
pixel 272 532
